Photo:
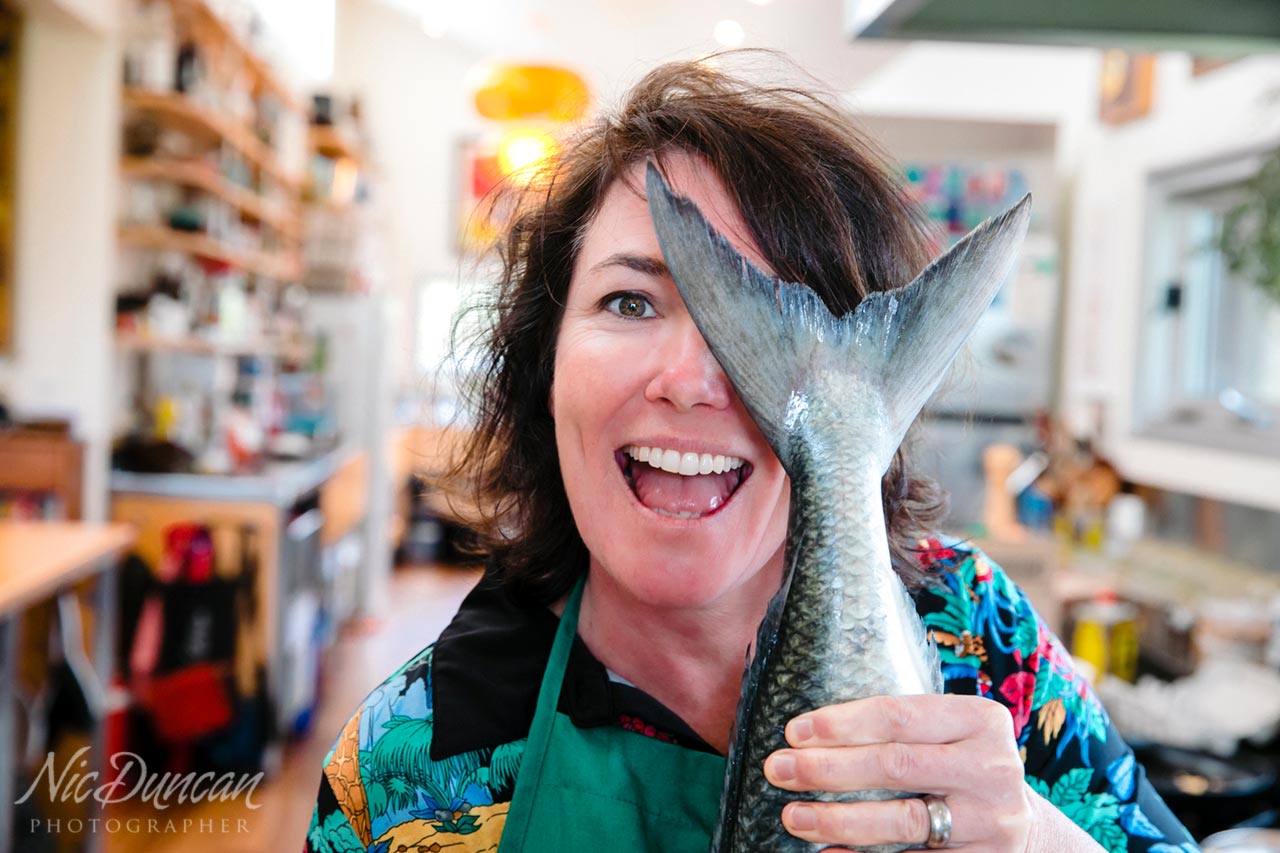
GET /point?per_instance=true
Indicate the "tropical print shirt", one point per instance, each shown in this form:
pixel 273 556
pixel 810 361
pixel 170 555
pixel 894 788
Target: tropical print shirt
pixel 428 762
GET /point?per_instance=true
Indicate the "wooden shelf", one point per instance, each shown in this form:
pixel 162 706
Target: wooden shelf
pixel 176 110
pixel 193 345
pixel 279 266
pixel 331 142
pixel 39 461
pixel 336 208
pixel 207 21
pixel 200 176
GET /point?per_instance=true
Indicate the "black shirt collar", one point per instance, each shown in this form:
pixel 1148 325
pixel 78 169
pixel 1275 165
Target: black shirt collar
pixel 487 669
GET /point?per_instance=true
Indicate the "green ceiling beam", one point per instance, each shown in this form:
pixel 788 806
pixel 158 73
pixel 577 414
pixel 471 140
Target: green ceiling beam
pixel 1207 27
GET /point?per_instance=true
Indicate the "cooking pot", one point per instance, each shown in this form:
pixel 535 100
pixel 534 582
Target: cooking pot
pixel 1210 794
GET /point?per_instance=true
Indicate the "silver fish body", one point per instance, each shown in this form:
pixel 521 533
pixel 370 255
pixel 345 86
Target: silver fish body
pixel 848 630
pixel 834 397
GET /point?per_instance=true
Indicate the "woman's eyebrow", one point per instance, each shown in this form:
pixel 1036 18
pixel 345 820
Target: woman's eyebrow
pixel 640 263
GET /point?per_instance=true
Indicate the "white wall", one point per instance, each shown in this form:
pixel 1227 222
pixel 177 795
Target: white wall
pixel 67 150
pixel 418 107
pixel 1222 114
pixel 1038 102
pixel 1005 85
pixel 101 16
pixel 1009 83
pixel 417 111
pixel 298 39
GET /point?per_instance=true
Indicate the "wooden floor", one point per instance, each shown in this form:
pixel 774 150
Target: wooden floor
pixel 422 601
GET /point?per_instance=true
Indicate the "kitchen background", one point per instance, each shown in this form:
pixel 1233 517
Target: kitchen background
pixel 234 234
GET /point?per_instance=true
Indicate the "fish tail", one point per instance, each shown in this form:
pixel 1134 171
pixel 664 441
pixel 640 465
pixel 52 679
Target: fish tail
pixel 773 337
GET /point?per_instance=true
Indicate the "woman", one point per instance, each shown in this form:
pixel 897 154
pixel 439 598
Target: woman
pixel 559 715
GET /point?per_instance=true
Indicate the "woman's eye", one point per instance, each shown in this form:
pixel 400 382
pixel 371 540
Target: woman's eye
pixel 631 305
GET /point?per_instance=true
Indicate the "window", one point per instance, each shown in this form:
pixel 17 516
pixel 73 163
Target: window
pixel 1209 370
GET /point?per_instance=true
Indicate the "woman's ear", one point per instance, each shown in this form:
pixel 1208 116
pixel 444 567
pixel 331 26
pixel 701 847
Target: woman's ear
pixel 551 399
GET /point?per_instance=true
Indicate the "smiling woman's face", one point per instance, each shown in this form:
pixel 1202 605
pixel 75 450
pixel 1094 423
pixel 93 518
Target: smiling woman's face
pixel 635 383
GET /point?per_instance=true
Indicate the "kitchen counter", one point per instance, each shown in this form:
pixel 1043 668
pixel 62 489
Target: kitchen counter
pixel 1193 605
pixel 39 558
pixel 289 562
pixel 278 483
pixel 39 561
pixel 1168 574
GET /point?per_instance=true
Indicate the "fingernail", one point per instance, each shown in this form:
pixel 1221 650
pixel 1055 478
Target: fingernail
pixel 784 768
pixel 802 818
pixel 801 730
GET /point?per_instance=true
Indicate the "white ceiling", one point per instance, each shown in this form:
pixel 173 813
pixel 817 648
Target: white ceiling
pixel 613 41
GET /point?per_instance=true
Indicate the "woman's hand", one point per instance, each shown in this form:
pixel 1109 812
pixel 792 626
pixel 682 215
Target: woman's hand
pixel 959 747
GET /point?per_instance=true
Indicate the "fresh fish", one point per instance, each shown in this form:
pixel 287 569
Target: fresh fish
pixel 834 396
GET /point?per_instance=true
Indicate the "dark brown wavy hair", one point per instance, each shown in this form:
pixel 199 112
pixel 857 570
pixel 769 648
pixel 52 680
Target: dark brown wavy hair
pixel 821 204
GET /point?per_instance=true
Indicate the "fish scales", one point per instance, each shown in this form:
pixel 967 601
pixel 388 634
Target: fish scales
pixel 827 648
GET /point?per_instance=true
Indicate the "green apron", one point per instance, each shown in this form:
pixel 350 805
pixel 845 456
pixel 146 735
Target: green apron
pixel 606 788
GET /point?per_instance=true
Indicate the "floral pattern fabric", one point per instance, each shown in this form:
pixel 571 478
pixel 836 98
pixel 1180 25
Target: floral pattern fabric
pixel 382 793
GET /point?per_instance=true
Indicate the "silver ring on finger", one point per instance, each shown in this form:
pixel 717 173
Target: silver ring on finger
pixel 939 822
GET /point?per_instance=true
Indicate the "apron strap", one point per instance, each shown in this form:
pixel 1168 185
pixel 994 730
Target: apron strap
pixel 535 751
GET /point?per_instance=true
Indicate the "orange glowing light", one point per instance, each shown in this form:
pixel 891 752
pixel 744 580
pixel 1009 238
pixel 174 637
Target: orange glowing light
pixel 511 92
pixel 523 151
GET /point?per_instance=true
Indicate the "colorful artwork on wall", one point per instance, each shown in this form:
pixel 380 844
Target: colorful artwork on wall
pixel 1126 86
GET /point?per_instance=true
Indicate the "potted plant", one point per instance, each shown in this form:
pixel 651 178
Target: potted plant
pixel 1250 237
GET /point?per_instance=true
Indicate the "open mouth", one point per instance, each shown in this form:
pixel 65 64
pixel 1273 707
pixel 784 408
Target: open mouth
pixel 681 485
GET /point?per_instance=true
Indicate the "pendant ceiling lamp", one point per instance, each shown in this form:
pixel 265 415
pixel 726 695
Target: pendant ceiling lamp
pixel 511 92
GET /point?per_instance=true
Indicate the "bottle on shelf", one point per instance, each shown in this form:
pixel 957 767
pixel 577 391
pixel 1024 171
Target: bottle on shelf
pixel 150 46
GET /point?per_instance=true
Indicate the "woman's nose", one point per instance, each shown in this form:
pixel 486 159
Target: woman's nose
pixel 686 373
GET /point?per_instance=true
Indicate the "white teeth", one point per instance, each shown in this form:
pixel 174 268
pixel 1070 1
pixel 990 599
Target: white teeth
pixel 686 464
pixel 678 514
